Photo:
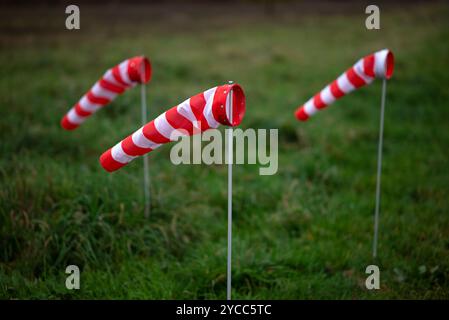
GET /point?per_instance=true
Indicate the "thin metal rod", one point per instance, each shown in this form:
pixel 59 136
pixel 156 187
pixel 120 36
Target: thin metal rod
pixel 146 171
pixel 379 168
pixel 230 160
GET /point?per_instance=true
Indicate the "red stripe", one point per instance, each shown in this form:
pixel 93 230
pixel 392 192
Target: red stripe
pixel 151 133
pixel 219 105
pixel 138 67
pixel 301 114
pixel 98 100
pixel 238 104
pixel 354 78
pixel 110 86
pixel 130 148
pixel 368 65
pixel 197 104
pixel 81 112
pixel 336 91
pixel 118 77
pixel 108 163
pixel 318 102
pixel 135 69
pixel 66 124
pixel 178 121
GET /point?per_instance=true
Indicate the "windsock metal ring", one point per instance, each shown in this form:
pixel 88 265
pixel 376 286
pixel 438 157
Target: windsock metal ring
pixel 201 112
pixel 377 65
pixel 114 82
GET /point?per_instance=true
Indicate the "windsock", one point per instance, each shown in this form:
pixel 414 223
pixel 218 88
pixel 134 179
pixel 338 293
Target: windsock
pixel 114 82
pixel 201 112
pixel 377 65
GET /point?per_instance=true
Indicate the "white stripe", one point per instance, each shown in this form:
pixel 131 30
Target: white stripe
pixel 109 76
pixel 87 105
pixel 380 63
pixel 163 127
pixel 185 110
pixel 101 92
pixel 119 155
pixel 75 117
pixel 227 106
pixel 359 70
pixel 326 95
pixel 207 112
pixel 141 141
pixel 309 107
pixel 123 68
pixel 344 84
pixel 178 133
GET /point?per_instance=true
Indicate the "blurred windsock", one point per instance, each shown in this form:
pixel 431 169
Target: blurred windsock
pixel 114 82
pixel 377 65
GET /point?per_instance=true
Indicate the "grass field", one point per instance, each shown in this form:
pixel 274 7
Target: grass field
pixel 304 233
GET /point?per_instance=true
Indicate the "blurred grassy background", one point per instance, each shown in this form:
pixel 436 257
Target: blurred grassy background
pixel 303 233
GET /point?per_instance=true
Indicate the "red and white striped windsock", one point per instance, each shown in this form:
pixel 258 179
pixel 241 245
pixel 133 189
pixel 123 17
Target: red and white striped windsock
pixel 201 112
pixel 114 82
pixel 377 65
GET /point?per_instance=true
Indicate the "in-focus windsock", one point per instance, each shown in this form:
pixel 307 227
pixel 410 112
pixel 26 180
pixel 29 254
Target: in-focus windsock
pixel 377 65
pixel 201 112
pixel 114 82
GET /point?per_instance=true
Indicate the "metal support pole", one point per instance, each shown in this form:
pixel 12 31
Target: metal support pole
pixel 379 168
pixel 230 161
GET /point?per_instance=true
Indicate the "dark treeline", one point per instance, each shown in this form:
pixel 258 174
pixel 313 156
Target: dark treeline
pixel 193 2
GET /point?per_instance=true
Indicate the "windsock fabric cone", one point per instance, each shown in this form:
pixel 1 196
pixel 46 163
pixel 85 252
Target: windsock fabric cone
pixel 204 111
pixel 114 82
pixel 377 65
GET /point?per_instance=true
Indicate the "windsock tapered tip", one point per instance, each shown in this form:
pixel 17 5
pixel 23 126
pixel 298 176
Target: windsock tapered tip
pixel 67 125
pixel 109 163
pixel 301 115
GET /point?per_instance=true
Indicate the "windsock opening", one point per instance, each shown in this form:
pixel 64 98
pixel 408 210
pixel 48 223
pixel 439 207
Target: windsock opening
pixel 238 104
pixel 221 104
pixel 140 69
pixel 384 64
pixel 389 65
